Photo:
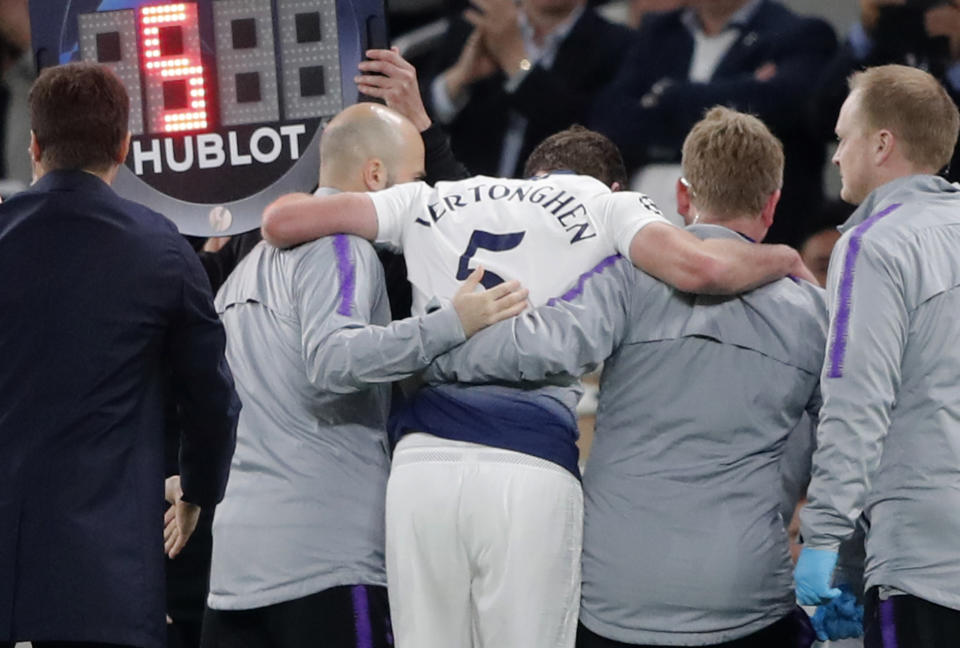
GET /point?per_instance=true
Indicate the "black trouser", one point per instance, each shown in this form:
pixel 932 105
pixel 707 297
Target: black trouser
pixel 792 631
pixel 351 616
pixel 906 621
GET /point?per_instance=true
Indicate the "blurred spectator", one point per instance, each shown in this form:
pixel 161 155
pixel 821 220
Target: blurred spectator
pixel 822 236
pixel 16 75
pixel 923 34
pixel 524 72
pixel 754 55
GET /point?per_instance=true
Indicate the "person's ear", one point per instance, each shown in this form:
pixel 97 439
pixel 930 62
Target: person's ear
pixel 684 206
pixel 769 208
pixel 124 149
pixel 374 174
pixel 884 144
pixel 35 152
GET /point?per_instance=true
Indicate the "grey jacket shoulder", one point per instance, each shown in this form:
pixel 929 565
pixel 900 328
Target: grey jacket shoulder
pixel 901 226
pixel 785 320
pixel 270 275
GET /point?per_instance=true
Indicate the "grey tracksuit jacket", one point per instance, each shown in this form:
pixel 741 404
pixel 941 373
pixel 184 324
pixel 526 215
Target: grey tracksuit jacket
pixel 304 507
pixel 889 434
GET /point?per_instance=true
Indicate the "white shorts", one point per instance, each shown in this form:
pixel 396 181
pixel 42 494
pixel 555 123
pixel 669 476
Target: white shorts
pixel 483 547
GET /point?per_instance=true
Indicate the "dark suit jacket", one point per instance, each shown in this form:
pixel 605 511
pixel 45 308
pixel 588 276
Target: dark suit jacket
pixel 890 46
pixel 653 131
pixel 551 100
pixel 101 301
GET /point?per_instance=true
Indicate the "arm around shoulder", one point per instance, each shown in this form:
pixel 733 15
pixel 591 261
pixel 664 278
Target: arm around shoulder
pixel 713 266
pixel 298 218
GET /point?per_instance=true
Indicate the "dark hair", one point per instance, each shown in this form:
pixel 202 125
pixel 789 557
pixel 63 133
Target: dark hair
pixel 79 114
pixel 582 151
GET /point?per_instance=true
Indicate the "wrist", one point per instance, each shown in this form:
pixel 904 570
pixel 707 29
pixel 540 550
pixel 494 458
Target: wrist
pixel 421 121
pixel 513 61
pixel 454 81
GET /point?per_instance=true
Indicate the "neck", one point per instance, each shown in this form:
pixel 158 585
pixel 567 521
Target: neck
pixel 901 169
pixel 333 181
pixel 751 226
pixel 715 14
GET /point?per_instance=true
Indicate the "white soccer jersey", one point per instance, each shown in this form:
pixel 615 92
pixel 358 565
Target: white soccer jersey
pixel 544 231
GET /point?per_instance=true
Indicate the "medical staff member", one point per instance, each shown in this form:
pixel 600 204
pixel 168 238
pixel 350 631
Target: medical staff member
pixel 888 445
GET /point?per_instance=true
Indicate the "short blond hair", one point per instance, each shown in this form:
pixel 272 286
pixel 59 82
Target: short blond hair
pixel 733 163
pixel 912 105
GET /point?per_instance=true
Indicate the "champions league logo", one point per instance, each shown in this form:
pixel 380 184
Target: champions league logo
pixel 227 97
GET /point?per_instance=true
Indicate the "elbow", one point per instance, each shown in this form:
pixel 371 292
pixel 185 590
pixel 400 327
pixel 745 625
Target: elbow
pixel 275 227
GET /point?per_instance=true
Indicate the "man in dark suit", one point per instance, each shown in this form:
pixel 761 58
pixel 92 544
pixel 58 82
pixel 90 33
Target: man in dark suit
pixel 524 72
pixel 101 302
pixel 751 55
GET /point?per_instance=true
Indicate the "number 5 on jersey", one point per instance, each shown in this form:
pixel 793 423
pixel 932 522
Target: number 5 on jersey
pixel 486 241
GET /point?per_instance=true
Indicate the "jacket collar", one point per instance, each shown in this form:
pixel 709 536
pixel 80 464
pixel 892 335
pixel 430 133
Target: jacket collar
pixel 71 180
pixel 897 191
pixel 710 231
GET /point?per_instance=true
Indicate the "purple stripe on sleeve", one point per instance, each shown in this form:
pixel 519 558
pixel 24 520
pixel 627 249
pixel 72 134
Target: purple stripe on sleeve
pixel 888 624
pixel 361 617
pixel 845 293
pixel 577 290
pixel 348 273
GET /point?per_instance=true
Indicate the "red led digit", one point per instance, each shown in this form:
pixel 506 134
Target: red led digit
pixel 176 89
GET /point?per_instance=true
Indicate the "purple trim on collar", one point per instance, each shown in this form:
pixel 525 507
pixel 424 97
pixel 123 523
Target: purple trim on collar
pixel 348 273
pixel 577 290
pixel 845 293
pixel 361 616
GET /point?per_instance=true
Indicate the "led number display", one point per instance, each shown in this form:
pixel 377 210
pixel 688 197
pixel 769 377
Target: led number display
pixel 227 97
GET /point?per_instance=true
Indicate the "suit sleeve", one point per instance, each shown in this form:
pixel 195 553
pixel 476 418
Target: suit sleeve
pixel 202 385
pixel 440 162
pixel 548 96
pixel 342 351
pixel 860 380
pixel 565 338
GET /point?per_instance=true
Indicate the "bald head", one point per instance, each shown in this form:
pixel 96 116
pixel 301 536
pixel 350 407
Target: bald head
pixel 367 147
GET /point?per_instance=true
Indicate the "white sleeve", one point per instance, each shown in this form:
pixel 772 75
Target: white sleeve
pixel 399 207
pixel 624 213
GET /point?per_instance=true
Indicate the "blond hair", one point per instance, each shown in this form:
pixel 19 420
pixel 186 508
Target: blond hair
pixel 732 162
pixel 912 105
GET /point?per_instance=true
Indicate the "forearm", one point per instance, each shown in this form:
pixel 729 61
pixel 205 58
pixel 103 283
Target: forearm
pixel 559 341
pixel 351 359
pixel 739 267
pixel 712 266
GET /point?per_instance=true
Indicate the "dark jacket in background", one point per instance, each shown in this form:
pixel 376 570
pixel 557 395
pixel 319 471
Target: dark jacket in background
pixel 101 302
pixel 551 100
pixel 899 38
pixel 649 123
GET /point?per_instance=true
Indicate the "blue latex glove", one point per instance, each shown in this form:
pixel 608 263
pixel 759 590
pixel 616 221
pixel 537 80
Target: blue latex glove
pixel 812 575
pixel 841 618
